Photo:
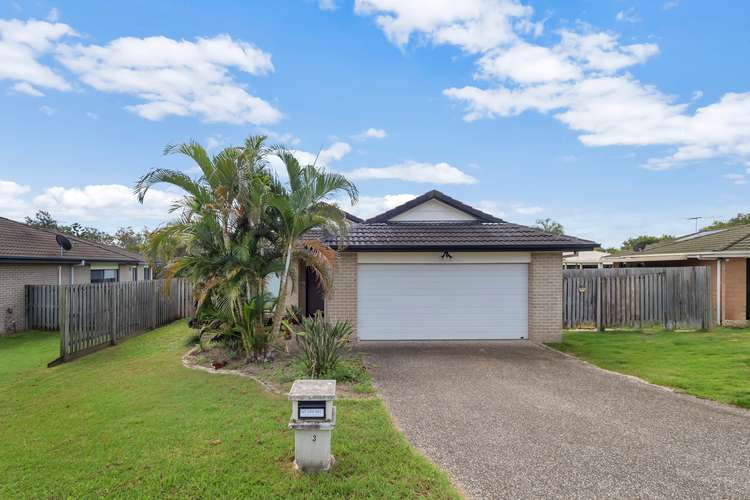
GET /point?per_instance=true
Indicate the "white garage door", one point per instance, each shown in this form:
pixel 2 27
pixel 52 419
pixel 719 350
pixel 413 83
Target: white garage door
pixel 442 301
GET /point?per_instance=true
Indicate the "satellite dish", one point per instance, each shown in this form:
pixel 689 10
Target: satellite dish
pixel 64 242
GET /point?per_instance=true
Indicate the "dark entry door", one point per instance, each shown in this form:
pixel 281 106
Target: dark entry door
pixel 314 301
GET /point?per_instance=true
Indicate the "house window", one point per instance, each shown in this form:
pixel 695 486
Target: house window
pixel 134 273
pixel 146 273
pixel 105 275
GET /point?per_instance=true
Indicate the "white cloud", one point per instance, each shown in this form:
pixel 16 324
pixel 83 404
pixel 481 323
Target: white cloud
pixel 176 77
pixel 412 171
pixel 527 210
pixel 527 63
pixel 491 207
pixel 12 204
pixel 92 115
pixel 22 44
pixel 286 138
pixel 47 110
pixel 106 204
pixel 372 133
pixel 627 16
pixel 215 141
pixel 581 80
pixel 327 5
pixel 670 4
pixel 28 89
pixel 472 25
pixel 324 158
pixel 370 206
pixel 737 179
pixel 53 15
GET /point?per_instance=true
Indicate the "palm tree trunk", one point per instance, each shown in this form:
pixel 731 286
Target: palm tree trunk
pixel 278 314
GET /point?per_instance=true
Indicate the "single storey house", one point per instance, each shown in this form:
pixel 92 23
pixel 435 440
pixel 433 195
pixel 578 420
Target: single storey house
pixel 588 259
pixel 724 251
pixel 437 269
pixel 31 256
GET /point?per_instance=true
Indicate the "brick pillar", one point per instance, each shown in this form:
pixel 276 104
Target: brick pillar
pixel 545 297
pixel 341 302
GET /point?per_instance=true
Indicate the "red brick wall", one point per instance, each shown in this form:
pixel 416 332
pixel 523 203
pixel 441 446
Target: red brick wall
pixel 734 290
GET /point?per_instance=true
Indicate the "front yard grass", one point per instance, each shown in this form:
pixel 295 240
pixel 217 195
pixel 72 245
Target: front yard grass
pixel 131 421
pixel 713 365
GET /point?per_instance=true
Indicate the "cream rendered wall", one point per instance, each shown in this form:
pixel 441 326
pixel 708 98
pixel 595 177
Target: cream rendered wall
pixel 433 210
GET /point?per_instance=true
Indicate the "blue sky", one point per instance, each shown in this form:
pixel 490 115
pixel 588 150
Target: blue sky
pixel 614 117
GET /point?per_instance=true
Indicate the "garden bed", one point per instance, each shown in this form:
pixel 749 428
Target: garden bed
pixel 277 374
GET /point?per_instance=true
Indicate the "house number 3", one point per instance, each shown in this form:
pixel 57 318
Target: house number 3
pixel 315 437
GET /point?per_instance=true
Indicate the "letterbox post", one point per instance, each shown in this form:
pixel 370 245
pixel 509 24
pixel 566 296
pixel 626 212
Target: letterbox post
pixel 313 419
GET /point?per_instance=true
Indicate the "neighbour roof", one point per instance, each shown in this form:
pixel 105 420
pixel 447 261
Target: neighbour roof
pixel 485 233
pixel 22 242
pixel 585 256
pixel 731 239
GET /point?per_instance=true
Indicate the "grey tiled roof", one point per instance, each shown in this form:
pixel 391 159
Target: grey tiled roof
pixel 451 235
pixel 730 239
pixel 22 242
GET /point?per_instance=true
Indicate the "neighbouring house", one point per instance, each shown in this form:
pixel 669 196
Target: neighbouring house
pixel 724 251
pixel 587 259
pixel 31 256
pixel 437 269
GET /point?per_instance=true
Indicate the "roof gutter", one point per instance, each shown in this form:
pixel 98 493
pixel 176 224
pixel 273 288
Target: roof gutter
pixel 66 260
pixel 465 248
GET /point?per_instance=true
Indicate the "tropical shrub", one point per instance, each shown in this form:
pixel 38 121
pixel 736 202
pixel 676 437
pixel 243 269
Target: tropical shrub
pixel 237 226
pixel 321 344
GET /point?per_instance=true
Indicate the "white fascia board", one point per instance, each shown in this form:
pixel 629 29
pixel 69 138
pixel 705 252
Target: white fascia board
pixel 437 258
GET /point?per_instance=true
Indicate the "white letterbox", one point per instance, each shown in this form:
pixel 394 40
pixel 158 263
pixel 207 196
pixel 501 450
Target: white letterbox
pixel 313 419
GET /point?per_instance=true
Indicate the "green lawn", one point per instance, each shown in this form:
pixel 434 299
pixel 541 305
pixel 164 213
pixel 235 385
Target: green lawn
pixel 714 365
pixel 131 421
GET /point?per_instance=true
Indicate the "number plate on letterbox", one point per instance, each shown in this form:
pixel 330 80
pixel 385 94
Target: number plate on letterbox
pixel 311 410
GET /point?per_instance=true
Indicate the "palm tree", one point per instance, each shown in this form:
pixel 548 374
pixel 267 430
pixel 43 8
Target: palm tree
pixel 225 234
pixel 305 205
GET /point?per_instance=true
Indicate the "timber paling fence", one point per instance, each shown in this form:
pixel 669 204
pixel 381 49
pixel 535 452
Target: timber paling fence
pixel 672 297
pixel 93 316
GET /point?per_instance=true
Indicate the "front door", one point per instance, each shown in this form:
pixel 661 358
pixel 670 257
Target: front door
pixel 314 300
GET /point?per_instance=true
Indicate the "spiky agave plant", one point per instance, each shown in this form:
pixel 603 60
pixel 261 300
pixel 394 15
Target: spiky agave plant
pixel 321 344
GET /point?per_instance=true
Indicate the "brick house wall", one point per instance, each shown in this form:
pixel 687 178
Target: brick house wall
pixel 13 278
pixel 545 297
pixel 734 292
pixel 341 302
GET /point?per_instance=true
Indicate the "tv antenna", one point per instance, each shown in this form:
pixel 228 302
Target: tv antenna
pixel 696 219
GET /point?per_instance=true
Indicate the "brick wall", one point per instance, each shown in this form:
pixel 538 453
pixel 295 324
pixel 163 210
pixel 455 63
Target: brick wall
pixel 545 297
pixel 13 277
pixel 341 302
pixel 733 292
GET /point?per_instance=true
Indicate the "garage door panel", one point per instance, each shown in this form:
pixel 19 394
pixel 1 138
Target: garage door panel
pixel 443 301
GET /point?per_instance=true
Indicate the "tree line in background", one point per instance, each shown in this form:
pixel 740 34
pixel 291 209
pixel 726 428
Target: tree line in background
pixel 125 237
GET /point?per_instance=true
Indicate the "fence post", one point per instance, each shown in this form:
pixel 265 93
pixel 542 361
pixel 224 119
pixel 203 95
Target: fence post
pixel 599 322
pixel 112 317
pixel 64 323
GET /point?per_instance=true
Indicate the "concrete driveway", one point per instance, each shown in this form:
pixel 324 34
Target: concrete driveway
pixel 515 420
